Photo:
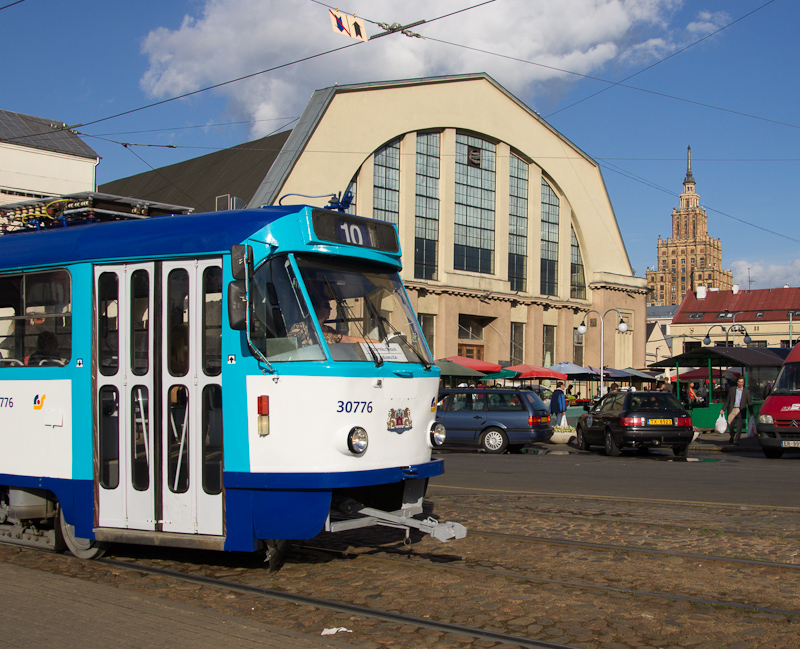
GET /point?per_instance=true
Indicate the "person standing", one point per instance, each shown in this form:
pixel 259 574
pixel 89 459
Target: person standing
pixel 558 405
pixel 736 406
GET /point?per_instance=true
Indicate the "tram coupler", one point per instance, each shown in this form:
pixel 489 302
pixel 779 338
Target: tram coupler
pixel 444 532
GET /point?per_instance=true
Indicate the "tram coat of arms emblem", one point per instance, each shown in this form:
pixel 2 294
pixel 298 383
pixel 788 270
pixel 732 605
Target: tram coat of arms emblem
pixel 399 419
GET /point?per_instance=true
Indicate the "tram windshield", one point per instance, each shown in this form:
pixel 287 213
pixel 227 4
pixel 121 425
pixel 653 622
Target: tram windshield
pixel 360 310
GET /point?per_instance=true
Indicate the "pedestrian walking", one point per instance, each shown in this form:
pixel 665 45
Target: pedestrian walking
pixel 736 406
pixel 558 405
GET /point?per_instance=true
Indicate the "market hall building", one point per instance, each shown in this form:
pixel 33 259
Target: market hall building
pixel 508 235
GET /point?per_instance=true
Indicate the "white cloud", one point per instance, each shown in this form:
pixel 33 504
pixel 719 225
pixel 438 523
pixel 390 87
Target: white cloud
pixel 708 22
pixel 232 38
pixel 760 274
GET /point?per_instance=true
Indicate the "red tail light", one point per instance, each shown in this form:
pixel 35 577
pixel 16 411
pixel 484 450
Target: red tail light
pixel 536 421
pixel 684 421
pixel 631 421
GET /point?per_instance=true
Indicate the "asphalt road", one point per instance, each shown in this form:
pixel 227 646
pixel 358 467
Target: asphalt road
pixel 729 478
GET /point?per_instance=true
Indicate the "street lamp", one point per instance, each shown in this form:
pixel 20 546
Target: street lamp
pixel 621 327
pixel 732 328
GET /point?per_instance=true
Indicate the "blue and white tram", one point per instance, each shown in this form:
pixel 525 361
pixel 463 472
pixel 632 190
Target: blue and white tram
pixel 221 380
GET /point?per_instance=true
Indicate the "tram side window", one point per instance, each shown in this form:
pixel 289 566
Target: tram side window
pixel 35 319
pixel 212 320
pixel 212 439
pixel 178 322
pixel 108 324
pixel 140 322
pixel 279 313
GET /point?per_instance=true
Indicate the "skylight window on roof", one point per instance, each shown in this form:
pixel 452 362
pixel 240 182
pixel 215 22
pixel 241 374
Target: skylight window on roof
pixel 760 314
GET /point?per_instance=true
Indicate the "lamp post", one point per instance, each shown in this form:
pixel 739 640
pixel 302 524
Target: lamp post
pixel 732 328
pixel 621 327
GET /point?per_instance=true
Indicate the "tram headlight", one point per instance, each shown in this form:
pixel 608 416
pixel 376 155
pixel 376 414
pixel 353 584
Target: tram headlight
pixel 438 434
pixel 357 440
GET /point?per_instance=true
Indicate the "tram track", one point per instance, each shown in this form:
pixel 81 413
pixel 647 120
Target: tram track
pixel 338 606
pixel 405 558
pixel 598 518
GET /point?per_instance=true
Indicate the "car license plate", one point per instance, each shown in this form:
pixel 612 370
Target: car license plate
pixel 791 444
pixel 659 422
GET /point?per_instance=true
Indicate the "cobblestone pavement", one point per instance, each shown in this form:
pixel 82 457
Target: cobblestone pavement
pixel 496 583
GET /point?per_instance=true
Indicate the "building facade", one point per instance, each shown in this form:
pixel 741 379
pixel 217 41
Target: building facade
pixel 769 317
pixel 508 234
pixel 690 257
pixel 41 158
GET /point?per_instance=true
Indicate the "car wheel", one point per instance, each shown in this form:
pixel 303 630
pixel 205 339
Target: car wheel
pixel 494 440
pixel 581 441
pixel 772 453
pixel 611 446
pixel 681 450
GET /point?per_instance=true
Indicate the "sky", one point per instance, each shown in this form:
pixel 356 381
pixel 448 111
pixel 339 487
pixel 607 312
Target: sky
pixel 631 82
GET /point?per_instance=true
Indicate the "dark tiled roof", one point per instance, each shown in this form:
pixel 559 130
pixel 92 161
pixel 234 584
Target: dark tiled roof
pixel 197 183
pixel 772 303
pixel 41 133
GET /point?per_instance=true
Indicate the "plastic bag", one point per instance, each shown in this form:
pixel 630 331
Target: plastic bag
pixel 722 425
pixel 751 427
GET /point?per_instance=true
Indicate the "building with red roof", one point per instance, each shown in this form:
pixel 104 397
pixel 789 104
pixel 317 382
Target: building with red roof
pixel 769 317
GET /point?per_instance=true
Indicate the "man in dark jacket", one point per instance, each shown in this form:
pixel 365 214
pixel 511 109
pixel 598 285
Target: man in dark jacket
pixel 558 405
pixel 736 406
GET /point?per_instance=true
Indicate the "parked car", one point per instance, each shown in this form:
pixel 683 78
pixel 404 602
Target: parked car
pixel 493 419
pixel 640 420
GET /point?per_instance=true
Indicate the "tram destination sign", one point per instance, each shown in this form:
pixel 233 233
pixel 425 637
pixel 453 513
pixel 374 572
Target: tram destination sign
pixel 354 231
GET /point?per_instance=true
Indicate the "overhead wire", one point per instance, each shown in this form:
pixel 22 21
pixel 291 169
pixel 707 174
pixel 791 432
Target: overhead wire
pixel 12 4
pixel 659 62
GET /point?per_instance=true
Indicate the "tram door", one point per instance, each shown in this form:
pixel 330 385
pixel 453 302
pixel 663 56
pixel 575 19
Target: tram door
pixel 159 398
pixel 124 308
pixel 191 397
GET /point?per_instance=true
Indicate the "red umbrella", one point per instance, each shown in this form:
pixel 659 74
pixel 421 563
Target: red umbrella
pixel 535 372
pixel 475 364
pixel 702 373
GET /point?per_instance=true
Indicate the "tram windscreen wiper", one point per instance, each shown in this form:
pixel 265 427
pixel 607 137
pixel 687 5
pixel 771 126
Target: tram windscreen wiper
pixel 344 308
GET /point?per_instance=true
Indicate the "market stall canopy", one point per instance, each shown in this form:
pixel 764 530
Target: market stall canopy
pixel 574 372
pixel 631 373
pixel 527 371
pixel 449 368
pixel 702 374
pixel 505 373
pixel 475 364
pixel 727 357
pixel 596 371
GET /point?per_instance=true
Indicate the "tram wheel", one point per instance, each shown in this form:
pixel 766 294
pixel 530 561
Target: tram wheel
pixel 276 553
pixel 81 548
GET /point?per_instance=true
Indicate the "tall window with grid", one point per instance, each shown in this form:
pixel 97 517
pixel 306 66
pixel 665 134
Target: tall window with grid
pixel 474 204
pixel 549 269
pixel 426 221
pixel 518 224
pixel 517 351
pixel 577 279
pixel 386 183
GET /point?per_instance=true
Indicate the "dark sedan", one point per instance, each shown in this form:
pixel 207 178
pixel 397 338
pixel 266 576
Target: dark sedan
pixel 640 420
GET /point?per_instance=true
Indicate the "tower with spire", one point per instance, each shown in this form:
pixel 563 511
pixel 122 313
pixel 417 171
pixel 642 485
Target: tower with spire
pixel 689 258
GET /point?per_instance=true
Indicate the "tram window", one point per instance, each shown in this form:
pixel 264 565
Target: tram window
pixel 212 320
pixel 178 322
pixel 277 306
pixel 140 322
pixel 109 437
pixel 178 440
pixel 108 323
pixel 212 439
pixel 140 438
pixel 35 319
